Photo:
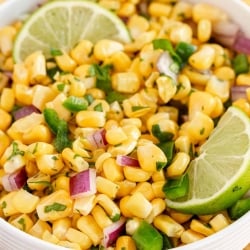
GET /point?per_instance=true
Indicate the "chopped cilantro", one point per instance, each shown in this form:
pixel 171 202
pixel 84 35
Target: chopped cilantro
pixel 54 207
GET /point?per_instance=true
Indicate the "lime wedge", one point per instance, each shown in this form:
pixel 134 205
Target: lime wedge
pixel 220 175
pixel 62 24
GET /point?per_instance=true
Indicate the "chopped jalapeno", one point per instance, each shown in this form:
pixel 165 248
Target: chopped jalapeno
pixel 74 103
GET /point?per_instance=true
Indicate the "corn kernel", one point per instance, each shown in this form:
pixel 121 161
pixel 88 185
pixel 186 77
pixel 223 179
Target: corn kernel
pixel 190 236
pixel 178 165
pixel 219 222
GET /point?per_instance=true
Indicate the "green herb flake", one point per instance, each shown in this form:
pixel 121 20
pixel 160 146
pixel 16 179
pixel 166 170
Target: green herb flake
pixel 137 108
pixel 56 52
pixel 116 217
pixel 98 107
pixel 21 221
pixel 60 86
pixel 55 158
pixel 160 165
pixel 4 205
pixel 15 151
pixel 202 131
pixel 162 136
pixel 45 183
pixel 55 207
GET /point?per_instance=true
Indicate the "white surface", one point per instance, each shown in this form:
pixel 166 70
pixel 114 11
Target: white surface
pixel 234 237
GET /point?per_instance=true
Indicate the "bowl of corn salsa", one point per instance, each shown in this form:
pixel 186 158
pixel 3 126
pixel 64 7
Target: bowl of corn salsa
pixel 78 128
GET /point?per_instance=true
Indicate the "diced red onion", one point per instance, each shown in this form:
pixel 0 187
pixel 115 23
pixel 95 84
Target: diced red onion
pixel 25 111
pixel 14 181
pixel 124 160
pixel 164 64
pixel 112 232
pixel 242 44
pixel 83 184
pixel 227 41
pixel 9 74
pixel 98 139
pixel 238 92
pixel 226 28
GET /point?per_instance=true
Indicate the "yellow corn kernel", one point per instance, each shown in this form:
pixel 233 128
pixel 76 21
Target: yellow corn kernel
pixel 197 77
pixel 201 228
pixel 207 11
pixel 101 217
pixel 131 121
pixel 50 163
pixel 125 188
pixel 39 182
pixel 158 176
pixel 7 35
pixel 77 87
pixel 219 222
pixel 183 144
pixel 149 155
pixel 5 120
pixel 54 206
pixel 108 205
pixel 89 118
pixel 243 104
pixel 225 73
pixel 157 189
pixel 146 189
pixel 22 222
pixel 39 133
pixel 218 87
pixel 100 160
pixel 181 33
pixel 82 52
pixel 78 237
pixel 220 56
pixel 106 186
pixel 136 174
pixel 166 88
pixel 127 9
pixel 84 205
pixel 3 80
pixel 49 237
pixel 105 48
pixel 137 25
pixel 68 244
pixel 39 148
pixel 112 5
pixel 4 142
pixel 74 161
pixel 180 11
pixel 116 112
pixel 88 226
pixel 98 103
pixel 7 206
pixel 112 171
pixel 243 79
pixel 203 58
pixel 82 71
pixel 115 136
pixel 65 62
pixel 7 99
pixel 183 87
pixel 158 206
pixel 36 64
pixel 200 101
pixel 200 126
pixel 57 105
pixel 20 74
pixel 159 9
pixel 60 227
pixel 25 202
pixel 180 217
pixel 78 148
pixel 23 94
pixel 61 183
pixel 204 30
pixel 138 205
pixel 126 82
pixel 190 236
pixel 96 93
pixel 219 108
pixel 168 226
pixel 39 228
pixel 178 165
pixel 125 242
pixel 123 205
pixel 124 148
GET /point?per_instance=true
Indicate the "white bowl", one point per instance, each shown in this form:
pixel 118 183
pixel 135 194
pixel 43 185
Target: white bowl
pixel 234 237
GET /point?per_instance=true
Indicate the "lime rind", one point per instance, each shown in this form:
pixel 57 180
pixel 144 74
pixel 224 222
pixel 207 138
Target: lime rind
pixel 50 33
pixel 230 187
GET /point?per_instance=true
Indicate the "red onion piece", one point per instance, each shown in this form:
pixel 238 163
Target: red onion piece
pixel 238 92
pixel 83 184
pixel 25 111
pixel 242 44
pixel 98 139
pixel 164 64
pixel 226 28
pixel 14 181
pixel 124 160
pixel 227 41
pixel 112 232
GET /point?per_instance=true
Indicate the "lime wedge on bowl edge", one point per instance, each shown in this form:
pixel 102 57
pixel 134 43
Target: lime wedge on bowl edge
pixel 62 24
pixel 220 175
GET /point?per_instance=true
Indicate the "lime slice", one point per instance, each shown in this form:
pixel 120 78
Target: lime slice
pixel 220 175
pixel 62 24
